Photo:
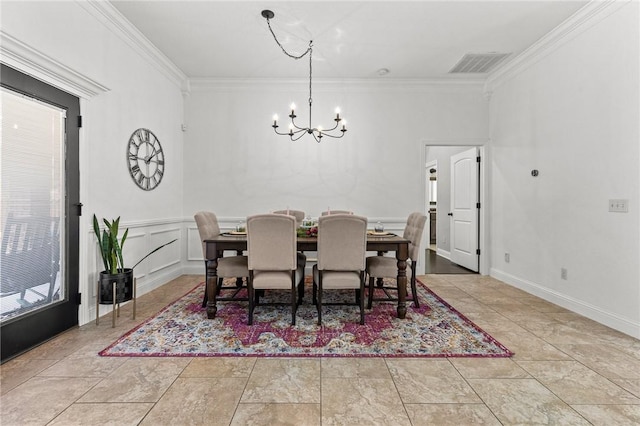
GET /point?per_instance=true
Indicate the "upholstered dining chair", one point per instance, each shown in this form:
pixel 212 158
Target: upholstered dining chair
pixel 342 243
pixel 387 267
pixel 298 214
pixel 228 267
pixel 274 263
pixel 330 212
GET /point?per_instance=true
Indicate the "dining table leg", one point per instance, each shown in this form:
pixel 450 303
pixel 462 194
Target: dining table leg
pixel 211 288
pixel 401 255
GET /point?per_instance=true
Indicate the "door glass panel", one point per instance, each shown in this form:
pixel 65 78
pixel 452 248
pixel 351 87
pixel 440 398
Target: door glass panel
pixel 31 205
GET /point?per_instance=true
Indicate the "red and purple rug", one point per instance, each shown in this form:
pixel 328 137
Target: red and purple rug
pixel 434 330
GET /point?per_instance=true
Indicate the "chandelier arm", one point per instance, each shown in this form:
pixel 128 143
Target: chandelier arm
pixel 296 126
pixel 299 136
pixel 334 136
pixel 281 47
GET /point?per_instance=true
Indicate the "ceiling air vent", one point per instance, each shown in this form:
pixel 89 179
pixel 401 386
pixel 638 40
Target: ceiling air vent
pixel 478 62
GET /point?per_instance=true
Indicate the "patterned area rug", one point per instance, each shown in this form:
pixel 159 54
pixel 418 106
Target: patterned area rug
pixel 433 330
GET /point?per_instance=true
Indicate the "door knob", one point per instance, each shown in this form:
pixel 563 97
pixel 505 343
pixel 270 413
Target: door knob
pixel 449 214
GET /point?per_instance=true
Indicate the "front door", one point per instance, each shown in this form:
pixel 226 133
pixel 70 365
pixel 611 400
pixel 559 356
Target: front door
pixel 464 209
pixel 39 177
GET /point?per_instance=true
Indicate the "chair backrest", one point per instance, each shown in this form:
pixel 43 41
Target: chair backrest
pixel 207 227
pixel 298 214
pixel 413 233
pixel 30 254
pixel 330 212
pixel 271 242
pixel 342 242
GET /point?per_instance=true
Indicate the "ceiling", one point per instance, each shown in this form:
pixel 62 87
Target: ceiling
pixel 351 39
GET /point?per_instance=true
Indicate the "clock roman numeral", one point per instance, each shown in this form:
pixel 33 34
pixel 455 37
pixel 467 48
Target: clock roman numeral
pixel 143 135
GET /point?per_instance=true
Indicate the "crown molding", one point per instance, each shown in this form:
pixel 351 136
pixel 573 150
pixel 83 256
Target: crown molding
pixel 28 60
pixel 584 18
pixel 113 20
pixel 332 85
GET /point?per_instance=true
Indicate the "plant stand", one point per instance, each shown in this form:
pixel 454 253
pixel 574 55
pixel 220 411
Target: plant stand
pixel 115 294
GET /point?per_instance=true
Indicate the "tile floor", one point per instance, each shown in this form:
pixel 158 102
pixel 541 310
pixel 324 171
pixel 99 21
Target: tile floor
pixel 567 370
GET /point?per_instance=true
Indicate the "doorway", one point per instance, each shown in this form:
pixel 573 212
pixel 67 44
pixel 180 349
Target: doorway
pixel 442 245
pixel 39 175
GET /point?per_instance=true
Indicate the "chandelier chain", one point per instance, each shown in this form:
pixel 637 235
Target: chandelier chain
pixel 283 49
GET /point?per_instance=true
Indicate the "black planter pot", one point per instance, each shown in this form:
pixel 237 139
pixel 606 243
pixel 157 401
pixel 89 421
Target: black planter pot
pixel 124 286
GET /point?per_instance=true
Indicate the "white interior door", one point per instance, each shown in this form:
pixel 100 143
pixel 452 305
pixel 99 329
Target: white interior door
pixel 464 210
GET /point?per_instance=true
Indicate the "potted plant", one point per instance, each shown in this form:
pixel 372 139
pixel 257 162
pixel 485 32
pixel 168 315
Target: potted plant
pixel 114 270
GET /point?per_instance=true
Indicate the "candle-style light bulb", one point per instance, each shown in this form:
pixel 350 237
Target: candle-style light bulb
pixel 275 119
pixel 290 128
pixel 293 106
pixel 338 113
pixel 344 124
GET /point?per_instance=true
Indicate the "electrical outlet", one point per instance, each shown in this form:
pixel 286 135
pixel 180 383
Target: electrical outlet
pixel 507 258
pixel 619 206
pixel 563 273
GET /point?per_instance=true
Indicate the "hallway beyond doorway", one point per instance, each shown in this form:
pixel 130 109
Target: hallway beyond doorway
pixel 435 264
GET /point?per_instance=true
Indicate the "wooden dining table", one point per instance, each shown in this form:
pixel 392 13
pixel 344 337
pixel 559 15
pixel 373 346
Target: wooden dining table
pixel 215 248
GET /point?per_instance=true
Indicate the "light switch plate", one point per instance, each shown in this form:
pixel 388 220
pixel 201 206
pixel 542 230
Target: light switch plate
pixel 619 206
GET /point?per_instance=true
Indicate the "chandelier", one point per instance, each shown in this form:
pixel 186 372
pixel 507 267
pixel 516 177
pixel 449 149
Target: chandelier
pixel 295 131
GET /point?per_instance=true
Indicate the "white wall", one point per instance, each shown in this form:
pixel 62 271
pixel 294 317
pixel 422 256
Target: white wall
pixel 79 38
pixel 238 166
pixel 573 115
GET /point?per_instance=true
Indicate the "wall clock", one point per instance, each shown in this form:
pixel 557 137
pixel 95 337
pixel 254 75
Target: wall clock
pixel 145 159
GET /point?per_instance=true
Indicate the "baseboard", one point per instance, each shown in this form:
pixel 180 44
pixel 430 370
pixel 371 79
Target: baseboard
pixel 443 253
pixel 595 313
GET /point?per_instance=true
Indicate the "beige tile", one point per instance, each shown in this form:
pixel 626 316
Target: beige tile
pixel 219 367
pixel 371 368
pixel 84 363
pixel 203 401
pixel 295 380
pixel 630 385
pixel 40 399
pixel 576 384
pixel 606 360
pixel 429 381
pixel 137 380
pixel 488 368
pixel 527 346
pixel 20 370
pixel 450 415
pixel 559 333
pixel 277 414
pixel 114 414
pixel 524 401
pixel 607 415
pixel 356 401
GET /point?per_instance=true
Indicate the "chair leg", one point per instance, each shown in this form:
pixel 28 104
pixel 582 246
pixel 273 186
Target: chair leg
pixel 251 295
pixel 414 290
pixel 293 298
pixel 361 300
pixel 319 302
pixel 206 280
pixel 315 294
pixel 219 286
pixel 371 289
pixel 300 292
